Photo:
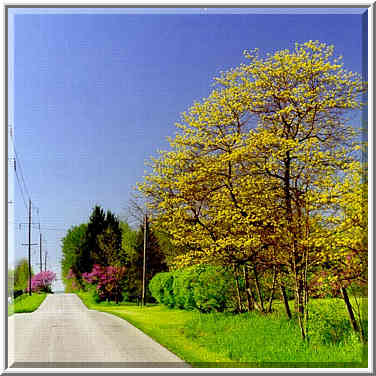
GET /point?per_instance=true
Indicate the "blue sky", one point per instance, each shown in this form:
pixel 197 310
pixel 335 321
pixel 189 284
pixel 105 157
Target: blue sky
pixel 95 94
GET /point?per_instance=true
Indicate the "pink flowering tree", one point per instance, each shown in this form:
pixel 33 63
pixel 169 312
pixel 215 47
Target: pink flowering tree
pixel 42 281
pixel 108 281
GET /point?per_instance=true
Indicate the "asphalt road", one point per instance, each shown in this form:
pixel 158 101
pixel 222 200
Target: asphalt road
pixel 62 332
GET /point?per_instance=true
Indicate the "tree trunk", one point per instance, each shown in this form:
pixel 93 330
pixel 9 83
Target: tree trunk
pixel 255 303
pixel 250 306
pixel 299 295
pixel 296 303
pixel 258 289
pixel 305 282
pixel 292 231
pixel 350 311
pixel 305 302
pixel 239 300
pixel 273 288
pixel 285 301
pixel 117 296
pixel 361 326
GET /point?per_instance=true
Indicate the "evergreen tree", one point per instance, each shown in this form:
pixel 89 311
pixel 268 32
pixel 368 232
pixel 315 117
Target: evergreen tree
pixel 103 241
pixel 90 252
pixel 114 255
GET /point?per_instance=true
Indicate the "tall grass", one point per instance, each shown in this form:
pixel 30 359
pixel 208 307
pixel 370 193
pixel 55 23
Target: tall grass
pixel 248 339
pixel 261 341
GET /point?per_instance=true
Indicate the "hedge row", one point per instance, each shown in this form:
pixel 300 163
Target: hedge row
pixel 203 287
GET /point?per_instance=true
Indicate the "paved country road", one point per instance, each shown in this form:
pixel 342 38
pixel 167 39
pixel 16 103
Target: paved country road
pixel 62 332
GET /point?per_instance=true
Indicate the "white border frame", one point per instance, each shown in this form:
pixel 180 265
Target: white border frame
pixel 266 3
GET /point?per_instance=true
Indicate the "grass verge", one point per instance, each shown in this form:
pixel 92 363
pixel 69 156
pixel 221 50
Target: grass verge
pixel 26 303
pixel 245 340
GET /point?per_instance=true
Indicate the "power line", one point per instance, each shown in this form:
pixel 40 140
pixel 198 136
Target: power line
pixel 20 166
pixel 25 193
pixel 17 162
pixel 19 184
pixel 38 226
pixel 54 229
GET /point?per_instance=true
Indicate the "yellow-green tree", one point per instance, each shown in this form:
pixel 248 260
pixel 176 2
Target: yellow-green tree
pixel 247 178
pixel 342 240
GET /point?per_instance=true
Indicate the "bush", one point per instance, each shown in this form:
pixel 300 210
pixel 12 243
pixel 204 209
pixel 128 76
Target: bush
pixel 160 287
pixel 108 280
pixel 182 288
pixel 96 297
pixel 42 282
pixel 203 287
pixel 125 296
pixel 214 290
pixel 17 293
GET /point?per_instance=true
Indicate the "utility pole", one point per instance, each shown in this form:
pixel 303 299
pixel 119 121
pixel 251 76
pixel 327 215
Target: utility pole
pixel 29 247
pixel 29 244
pixel 45 261
pixel 144 266
pixel 40 251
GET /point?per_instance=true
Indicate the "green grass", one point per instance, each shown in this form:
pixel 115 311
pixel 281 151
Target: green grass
pixel 26 303
pixel 246 340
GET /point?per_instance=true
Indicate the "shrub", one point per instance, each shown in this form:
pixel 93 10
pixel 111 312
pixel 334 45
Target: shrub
pixel 17 293
pixel 160 287
pixel 108 281
pixel 203 287
pixel 169 298
pixel 182 288
pixel 96 297
pixel 155 287
pixel 125 296
pixel 214 289
pixel 42 281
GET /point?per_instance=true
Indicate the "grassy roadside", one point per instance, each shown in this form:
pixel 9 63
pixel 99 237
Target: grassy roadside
pixel 226 340
pixel 26 303
pixel 160 323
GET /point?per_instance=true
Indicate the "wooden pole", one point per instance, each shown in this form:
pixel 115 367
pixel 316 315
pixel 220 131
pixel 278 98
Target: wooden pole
pixel 29 247
pixel 144 265
pixel 40 251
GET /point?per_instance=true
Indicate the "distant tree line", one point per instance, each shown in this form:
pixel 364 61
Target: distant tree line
pixel 108 254
pixel 18 278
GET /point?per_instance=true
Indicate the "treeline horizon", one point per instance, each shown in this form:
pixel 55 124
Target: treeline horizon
pixel 106 241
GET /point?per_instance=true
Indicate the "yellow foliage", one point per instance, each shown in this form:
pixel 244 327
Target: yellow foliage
pixel 264 163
